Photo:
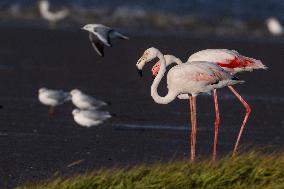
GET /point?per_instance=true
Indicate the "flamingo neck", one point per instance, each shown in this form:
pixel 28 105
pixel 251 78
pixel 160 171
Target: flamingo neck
pixel 154 93
pixel 170 59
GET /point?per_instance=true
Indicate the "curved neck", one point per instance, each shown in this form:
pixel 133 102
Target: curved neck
pixel 154 93
pixel 170 59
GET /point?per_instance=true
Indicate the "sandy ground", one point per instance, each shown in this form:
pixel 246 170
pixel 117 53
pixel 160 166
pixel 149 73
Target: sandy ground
pixel 34 147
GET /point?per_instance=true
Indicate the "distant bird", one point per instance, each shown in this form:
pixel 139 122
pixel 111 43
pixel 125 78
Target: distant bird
pixel 100 36
pixel 229 60
pixel 274 26
pixel 189 78
pixel 52 98
pixel 88 118
pixel 84 101
pixel 51 17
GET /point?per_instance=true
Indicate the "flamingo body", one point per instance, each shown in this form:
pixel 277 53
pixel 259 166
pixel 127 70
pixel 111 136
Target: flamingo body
pixel 229 60
pixel 198 77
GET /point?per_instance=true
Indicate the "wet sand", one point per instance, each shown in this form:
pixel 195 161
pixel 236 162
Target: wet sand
pixel 33 147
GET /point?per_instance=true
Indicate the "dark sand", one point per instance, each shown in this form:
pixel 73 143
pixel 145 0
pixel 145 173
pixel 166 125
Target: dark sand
pixel 32 147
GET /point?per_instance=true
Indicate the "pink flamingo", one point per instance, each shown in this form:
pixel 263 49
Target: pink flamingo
pixel 188 78
pixel 229 60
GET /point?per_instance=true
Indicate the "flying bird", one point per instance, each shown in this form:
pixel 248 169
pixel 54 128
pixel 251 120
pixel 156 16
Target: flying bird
pixel 51 17
pixel 84 101
pixel 100 36
pixel 229 60
pixel 89 118
pixel 52 98
pixel 190 78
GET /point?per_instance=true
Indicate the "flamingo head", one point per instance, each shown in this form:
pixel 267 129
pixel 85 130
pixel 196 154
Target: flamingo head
pixel 155 69
pixel 147 56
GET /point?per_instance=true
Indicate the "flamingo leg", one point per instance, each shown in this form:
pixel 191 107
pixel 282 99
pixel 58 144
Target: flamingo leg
pixel 248 111
pixel 193 130
pixel 217 124
pixel 191 119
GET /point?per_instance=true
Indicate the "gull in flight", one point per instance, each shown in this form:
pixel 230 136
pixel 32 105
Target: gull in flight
pixel 52 98
pixel 100 36
pixel 89 118
pixel 84 101
pixel 51 17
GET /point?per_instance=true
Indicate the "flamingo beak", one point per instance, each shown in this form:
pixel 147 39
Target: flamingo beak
pixel 140 73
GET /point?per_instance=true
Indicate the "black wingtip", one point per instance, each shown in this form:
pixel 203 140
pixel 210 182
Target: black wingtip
pixel 108 102
pixel 235 78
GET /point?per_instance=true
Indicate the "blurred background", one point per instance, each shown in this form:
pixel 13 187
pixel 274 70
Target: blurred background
pixel 222 17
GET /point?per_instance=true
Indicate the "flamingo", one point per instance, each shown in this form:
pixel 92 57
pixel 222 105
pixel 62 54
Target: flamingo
pixel 188 78
pixel 229 60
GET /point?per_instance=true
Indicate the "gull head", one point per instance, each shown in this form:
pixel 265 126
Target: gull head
pixel 41 90
pixel 147 56
pixel 88 27
pixel 75 91
pixel 75 111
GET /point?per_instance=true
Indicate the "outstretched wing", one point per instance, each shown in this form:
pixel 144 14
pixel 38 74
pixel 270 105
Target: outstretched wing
pixel 97 44
pixel 103 33
pixel 115 34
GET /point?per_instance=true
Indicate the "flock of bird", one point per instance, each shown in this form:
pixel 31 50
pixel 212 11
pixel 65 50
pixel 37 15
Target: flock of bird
pixel 204 71
pixel 87 113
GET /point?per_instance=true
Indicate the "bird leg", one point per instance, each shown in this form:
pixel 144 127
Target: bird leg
pixel 217 123
pixel 52 25
pixel 193 130
pixel 248 111
pixel 51 112
pixel 191 119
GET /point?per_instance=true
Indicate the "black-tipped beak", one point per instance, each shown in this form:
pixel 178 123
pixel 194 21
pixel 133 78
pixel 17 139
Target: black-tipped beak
pixel 139 72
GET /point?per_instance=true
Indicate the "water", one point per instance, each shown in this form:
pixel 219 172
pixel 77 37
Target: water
pixel 259 9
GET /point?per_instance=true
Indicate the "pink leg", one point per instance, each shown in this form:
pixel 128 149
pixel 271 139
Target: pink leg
pixel 191 119
pixel 193 124
pixel 248 111
pixel 217 124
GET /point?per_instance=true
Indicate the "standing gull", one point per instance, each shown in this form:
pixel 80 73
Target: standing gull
pixel 88 118
pixel 51 17
pixel 100 35
pixel 52 98
pixel 84 101
pixel 274 26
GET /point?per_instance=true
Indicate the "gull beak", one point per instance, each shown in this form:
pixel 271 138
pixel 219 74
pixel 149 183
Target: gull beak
pixel 140 72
